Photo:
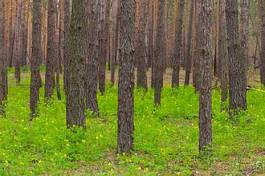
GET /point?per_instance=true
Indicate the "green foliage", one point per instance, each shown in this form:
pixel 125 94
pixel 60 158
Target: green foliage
pixel 166 138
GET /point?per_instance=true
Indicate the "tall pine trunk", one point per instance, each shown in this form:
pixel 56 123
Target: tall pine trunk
pixel 262 52
pixel 237 66
pixel 75 94
pixel 160 53
pixel 52 50
pixel 126 76
pixel 205 53
pixel 178 45
pixel 35 82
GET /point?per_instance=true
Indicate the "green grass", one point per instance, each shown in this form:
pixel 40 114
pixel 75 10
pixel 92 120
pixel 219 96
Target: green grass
pixel 166 139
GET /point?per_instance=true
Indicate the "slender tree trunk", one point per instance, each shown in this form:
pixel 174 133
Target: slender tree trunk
pixel 205 46
pixel 75 105
pixel 151 40
pixel 196 58
pixel 262 51
pixel 179 42
pixel 188 53
pixel 141 49
pixel 222 54
pixel 91 78
pixel 244 33
pixel 66 42
pixel 159 53
pixel 52 50
pixel 3 61
pixel 18 45
pixel 35 82
pixel 115 44
pixel 237 89
pixel 126 77
pixel 105 25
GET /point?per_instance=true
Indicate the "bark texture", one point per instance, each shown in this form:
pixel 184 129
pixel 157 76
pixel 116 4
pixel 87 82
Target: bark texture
pixel 126 77
pixel 3 61
pixel 178 43
pixel 237 67
pixel 222 53
pixel 188 57
pixel 205 51
pixel 91 77
pixel 160 53
pixel 141 48
pixel 75 105
pixel 52 50
pixel 35 82
pixel 262 53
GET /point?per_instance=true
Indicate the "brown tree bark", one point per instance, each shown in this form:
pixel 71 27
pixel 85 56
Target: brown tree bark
pixel 67 15
pixel 188 56
pixel 75 94
pixel 151 40
pixel 178 47
pixel 244 36
pixel 159 53
pixel 222 53
pixel 141 48
pixel 126 77
pixel 91 77
pixel 196 59
pixel 237 66
pixel 205 46
pixel 35 82
pixel 52 51
pixel 3 61
pixel 18 41
pixel 262 51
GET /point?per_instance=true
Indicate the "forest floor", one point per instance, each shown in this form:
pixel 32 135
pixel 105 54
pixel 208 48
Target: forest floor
pixel 166 139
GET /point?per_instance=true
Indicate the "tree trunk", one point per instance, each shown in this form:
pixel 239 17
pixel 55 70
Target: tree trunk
pixel 151 40
pixel 237 66
pixel 141 49
pixel 159 53
pixel 91 78
pixel 126 77
pixel 104 45
pixel 3 61
pixel 222 54
pixel 178 47
pixel 188 56
pixel 75 95
pixel 66 25
pixel 35 82
pixel 205 46
pixel 262 52
pixel 52 50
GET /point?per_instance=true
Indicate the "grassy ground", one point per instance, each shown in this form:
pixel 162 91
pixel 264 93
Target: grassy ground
pixel 166 139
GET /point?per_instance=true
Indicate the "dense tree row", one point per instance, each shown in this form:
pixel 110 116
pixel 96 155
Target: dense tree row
pixel 81 39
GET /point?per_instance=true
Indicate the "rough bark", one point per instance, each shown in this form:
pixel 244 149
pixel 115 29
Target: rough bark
pixel 237 66
pixel 159 53
pixel 196 58
pixel 126 77
pixel 188 57
pixel 141 49
pixel 205 52
pixel 262 51
pixel 104 45
pixel 222 53
pixel 75 95
pixel 178 47
pixel 35 82
pixel 3 61
pixel 66 42
pixel 244 33
pixel 52 50
pixel 91 77
pixel 151 40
